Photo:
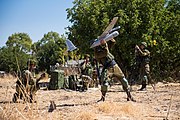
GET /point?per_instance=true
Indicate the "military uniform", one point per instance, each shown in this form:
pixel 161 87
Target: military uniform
pixel 26 86
pixel 86 72
pixel 143 59
pixel 110 69
pixel 86 67
pixel 95 78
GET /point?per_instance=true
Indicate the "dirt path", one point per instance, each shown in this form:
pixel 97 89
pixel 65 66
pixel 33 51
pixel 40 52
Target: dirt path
pixel 73 105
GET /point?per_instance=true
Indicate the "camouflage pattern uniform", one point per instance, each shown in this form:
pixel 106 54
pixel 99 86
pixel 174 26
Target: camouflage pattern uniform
pixel 86 72
pixel 86 67
pixel 110 69
pixel 143 59
pixel 95 74
pixel 27 86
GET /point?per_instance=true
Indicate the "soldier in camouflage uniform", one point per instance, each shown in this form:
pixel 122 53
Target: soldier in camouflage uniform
pixel 110 69
pixel 27 85
pixel 143 59
pixel 86 66
pixel 86 70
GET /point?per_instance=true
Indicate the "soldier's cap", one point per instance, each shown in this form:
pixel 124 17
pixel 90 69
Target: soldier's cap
pixel 144 43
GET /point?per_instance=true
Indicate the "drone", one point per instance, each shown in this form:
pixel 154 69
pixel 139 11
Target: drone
pixel 108 34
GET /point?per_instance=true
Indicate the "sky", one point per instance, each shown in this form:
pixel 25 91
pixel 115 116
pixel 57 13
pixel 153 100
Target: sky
pixel 34 17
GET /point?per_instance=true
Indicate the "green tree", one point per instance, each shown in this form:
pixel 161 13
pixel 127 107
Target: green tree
pixel 15 55
pixel 7 61
pixel 49 50
pixel 140 20
pixel 20 42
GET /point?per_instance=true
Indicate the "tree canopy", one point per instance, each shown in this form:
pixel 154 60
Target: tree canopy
pixel 49 50
pixel 155 22
pixel 15 55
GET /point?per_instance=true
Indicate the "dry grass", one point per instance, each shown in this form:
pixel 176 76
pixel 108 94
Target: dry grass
pixel 106 107
pixel 19 111
pixel 85 116
pixel 128 109
pixel 16 111
pixel 112 107
pixel 73 105
pixel 11 112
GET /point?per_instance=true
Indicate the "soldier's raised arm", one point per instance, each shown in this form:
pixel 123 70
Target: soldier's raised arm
pixel 142 51
pixel 101 50
pixel 111 43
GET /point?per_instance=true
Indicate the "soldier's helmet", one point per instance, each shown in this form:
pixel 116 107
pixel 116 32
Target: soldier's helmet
pixel 144 44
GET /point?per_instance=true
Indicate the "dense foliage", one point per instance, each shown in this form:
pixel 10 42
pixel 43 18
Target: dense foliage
pixel 16 53
pixel 49 50
pixel 156 22
pixel 19 49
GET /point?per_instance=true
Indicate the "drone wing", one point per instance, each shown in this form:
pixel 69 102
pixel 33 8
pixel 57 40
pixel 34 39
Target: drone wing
pixel 110 26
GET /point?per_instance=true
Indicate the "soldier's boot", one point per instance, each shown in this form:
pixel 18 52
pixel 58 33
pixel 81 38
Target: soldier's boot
pixel 129 96
pixel 102 97
pixel 144 83
pixel 143 87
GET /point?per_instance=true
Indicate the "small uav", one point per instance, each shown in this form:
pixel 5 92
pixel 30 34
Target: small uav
pixel 108 34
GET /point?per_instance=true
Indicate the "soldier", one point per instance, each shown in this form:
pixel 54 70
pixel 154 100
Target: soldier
pixel 86 70
pixel 27 85
pixel 86 66
pixel 110 69
pixel 143 59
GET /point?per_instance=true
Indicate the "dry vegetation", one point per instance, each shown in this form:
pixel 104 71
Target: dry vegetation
pixel 73 105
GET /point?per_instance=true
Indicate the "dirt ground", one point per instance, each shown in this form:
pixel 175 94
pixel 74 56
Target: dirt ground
pixel 74 105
